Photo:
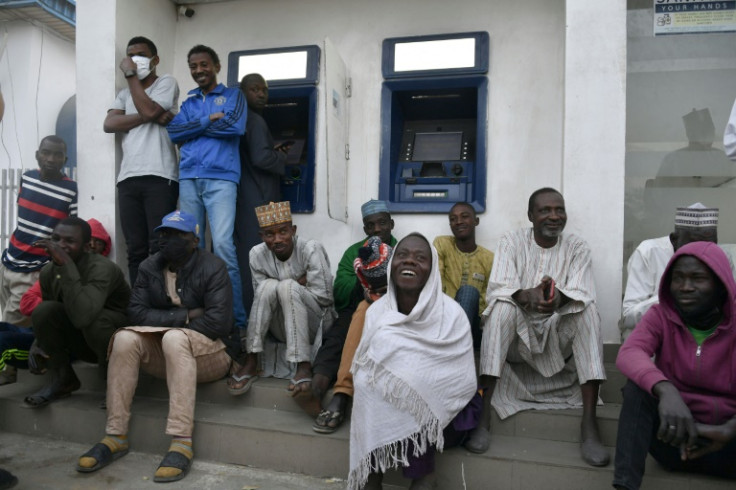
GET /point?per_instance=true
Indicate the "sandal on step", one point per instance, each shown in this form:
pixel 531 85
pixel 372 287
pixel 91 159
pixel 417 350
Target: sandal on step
pixel 103 455
pixel 249 380
pixel 325 418
pixel 176 460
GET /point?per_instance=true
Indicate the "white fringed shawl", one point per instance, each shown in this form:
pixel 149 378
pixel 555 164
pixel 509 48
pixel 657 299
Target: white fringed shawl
pixel 412 375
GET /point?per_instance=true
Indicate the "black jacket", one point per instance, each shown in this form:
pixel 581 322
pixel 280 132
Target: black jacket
pixel 203 282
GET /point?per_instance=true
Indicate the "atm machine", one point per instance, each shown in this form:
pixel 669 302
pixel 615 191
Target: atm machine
pixel 292 75
pixel 434 122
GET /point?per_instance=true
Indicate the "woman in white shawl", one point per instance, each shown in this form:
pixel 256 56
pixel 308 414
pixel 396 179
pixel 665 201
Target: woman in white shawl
pixel 413 372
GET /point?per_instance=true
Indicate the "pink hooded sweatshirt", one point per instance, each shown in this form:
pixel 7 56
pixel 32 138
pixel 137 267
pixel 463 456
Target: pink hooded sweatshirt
pixel 705 376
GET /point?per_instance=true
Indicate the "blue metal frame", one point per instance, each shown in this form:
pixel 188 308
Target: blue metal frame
pixel 312 77
pixel 481 55
pixel 65 10
pixel 391 125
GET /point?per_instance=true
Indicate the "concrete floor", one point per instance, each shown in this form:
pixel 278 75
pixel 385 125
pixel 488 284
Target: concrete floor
pixel 50 464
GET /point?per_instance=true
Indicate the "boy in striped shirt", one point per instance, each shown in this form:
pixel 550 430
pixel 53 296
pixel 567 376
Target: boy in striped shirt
pixel 46 196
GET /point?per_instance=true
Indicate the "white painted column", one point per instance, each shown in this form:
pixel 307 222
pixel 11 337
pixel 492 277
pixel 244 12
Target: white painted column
pixel 96 69
pixel 595 142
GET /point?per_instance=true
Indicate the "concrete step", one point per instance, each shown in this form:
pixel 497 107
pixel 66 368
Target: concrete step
pixel 282 441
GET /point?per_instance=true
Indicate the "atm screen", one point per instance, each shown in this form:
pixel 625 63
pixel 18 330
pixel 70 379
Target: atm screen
pixel 437 147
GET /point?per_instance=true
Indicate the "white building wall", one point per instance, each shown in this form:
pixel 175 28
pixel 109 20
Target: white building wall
pixel 547 108
pixel 37 74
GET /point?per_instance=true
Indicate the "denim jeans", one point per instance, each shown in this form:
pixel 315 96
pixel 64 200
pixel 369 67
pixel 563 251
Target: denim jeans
pixel 469 298
pixel 143 202
pixel 217 199
pixel 637 435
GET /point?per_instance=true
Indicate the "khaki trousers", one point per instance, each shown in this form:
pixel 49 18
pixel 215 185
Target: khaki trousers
pixel 13 286
pixel 344 383
pixel 168 355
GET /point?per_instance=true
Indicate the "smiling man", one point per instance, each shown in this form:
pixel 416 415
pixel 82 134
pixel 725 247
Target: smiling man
pixel 681 407
pixel 542 345
pixel 85 297
pixel 208 129
pixel 46 197
pixel 464 265
pixel 293 297
pixel 147 184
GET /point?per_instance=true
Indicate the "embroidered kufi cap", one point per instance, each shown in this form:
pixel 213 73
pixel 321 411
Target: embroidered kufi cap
pixel 374 207
pixel 696 216
pixel 273 213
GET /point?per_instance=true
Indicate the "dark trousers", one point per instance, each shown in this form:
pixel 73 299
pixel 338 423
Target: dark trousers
pixel 327 360
pixel 637 435
pixel 14 345
pixel 62 341
pixel 469 299
pixel 143 202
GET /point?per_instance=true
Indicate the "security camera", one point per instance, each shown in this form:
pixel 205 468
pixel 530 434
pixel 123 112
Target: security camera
pixel 186 11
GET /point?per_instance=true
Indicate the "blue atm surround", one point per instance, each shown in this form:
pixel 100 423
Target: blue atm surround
pixel 433 136
pixel 291 115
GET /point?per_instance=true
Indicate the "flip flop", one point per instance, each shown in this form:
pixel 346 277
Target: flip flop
pixel 251 378
pixel 103 455
pixel 297 382
pixel 321 424
pixel 174 459
pixel 38 401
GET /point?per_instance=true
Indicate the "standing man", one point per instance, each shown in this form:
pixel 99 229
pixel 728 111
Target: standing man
pixel 46 197
pixel 464 265
pixel 182 306
pixel 541 332
pixel 147 182
pixel 293 297
pixel 85 297
pixel 262 165
pixel 681 406
pixel 208 128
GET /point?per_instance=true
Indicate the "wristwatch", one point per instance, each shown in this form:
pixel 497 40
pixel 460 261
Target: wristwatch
pixel 129 73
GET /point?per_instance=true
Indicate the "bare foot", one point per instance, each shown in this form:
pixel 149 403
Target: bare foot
pixel 591 447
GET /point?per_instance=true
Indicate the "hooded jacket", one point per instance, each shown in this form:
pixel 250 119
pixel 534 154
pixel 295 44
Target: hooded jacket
pixel 705 376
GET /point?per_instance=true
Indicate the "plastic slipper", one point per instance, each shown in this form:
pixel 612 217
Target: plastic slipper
pixel 38 401
pixel 251 378
pixel 103 455
pixel 322 423
pixel 174 459
pixel 297 382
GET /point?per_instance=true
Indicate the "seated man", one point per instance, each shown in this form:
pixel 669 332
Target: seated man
pixel 348 293
pixel 541 334
pixel 84 301
pixel 695 223
pixel 15 341
pixel 681 406
pixel 465 266
pixel 371 267
pixel 293 297
pixel 182 304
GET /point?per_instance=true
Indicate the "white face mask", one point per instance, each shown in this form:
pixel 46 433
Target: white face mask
pixel 143 66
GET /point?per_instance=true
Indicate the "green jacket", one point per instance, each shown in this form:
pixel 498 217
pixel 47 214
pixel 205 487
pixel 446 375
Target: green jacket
pixel 345 279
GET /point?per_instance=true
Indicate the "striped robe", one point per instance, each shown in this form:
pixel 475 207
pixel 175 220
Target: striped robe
pixel 540 359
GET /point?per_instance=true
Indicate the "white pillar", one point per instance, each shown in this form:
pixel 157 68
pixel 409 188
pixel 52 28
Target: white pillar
pixel 595 142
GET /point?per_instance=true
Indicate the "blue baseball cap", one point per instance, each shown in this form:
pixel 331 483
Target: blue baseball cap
pixel 179 220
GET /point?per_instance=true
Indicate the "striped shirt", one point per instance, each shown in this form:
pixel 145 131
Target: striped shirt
pixel 41 205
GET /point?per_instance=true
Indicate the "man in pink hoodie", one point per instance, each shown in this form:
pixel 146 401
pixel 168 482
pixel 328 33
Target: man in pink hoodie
pixel 681 406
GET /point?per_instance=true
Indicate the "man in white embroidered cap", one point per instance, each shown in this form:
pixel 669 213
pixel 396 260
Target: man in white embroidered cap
pixel 695 223
pixel 292 298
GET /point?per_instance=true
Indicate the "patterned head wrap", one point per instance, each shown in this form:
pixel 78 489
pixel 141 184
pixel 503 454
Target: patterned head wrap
pixel 371 265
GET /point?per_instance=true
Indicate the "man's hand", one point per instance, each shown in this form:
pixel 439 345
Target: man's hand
pixel 711 438
pixel 216 115
pixel 195 313
pixel 37 359
pixel 57 254
pixel 545 298
pixel 676 423
pixel 128 64
pixel 165 118
pixel 302 280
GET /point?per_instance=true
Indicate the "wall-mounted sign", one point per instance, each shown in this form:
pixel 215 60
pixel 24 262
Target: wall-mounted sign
pixel 694 16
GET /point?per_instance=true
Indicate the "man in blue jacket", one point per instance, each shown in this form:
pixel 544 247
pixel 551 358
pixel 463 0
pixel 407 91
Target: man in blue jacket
pixel 208 130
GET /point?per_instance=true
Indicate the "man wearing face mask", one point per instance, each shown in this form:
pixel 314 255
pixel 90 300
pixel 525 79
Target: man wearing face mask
pixel 182 306
pixel 148 185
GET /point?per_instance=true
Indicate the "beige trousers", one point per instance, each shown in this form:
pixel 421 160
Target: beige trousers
pixel 167 355
pixel 344 383
pixel 13 285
